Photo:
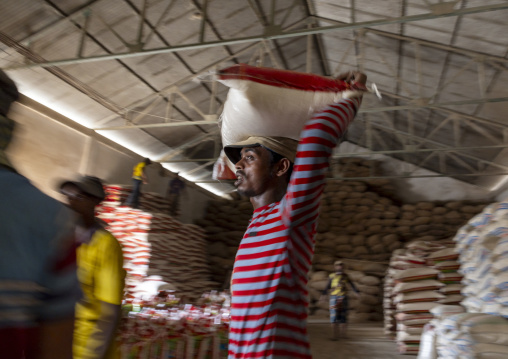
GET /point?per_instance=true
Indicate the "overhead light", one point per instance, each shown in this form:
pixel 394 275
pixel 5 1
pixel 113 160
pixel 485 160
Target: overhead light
pixel 45 99
pixel 117 138
pixel 76 116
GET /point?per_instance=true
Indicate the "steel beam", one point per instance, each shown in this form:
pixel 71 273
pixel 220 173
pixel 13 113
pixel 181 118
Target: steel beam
pixel 157 125
pixel 437 105
pixel 311 11
pixel 362 110
pixel 35 36
pixel 367 153
pixel 175 151
pixel 258 11
pixel 169 88
pixel 421 150
pixel 442 109
pixel 190 160
pixel 84 31
pixel 401 176
pixel 452 175
pixel 202 27
pixel 194 170
pixel 436 45
pixel 281 35
pixel 395 131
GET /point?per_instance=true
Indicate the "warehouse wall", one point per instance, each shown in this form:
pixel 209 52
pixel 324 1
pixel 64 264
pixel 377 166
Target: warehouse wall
pixel 46 149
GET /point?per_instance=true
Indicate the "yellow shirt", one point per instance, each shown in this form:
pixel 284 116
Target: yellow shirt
pixel 137 173
pixel 102 278
pixel 338 285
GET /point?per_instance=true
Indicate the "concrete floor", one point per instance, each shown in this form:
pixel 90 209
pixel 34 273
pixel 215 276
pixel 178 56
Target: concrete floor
pixel 365 341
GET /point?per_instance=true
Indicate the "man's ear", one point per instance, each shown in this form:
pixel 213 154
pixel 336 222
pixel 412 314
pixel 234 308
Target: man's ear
pixel 283 167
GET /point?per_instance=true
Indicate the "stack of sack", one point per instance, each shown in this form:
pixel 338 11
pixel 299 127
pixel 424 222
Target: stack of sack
pixel 148 201
pixel 429 339
pixel 367 278
pixel 415 295
pixel 154 243
pixel 364 167
pixel 152 202
pixel 400 261
pixel 445 261
pixel 467 336
pixel 410 257
pixel 356 222
pixel 225 223
pixel 412 288
pixel 482 332
pixel 483 247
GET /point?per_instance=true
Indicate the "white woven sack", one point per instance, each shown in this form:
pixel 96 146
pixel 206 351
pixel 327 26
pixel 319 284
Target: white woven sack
pixel 416 307
pixel 442 311
pixel 416 274
pixel 370 280
pixel 254 109
pixel 500 266
pixel 428 284
pixel 428 345
pixel 420 296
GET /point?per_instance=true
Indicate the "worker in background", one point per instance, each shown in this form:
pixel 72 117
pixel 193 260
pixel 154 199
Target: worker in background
pixel 175 189
pixel 38 283
pixel 100 273
pixel 138 177
pixel 337 288
pixel 284 180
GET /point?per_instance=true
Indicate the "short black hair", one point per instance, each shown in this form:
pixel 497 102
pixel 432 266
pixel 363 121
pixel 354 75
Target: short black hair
pixel 148 161
pixel 275 158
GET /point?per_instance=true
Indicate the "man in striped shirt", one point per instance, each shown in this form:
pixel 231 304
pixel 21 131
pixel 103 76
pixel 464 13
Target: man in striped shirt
pixel 284 180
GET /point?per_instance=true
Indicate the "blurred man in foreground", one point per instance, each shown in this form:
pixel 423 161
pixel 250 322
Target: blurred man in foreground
pixel 38 283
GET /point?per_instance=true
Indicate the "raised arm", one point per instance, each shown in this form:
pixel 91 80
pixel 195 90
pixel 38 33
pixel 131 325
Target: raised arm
pixel 318 139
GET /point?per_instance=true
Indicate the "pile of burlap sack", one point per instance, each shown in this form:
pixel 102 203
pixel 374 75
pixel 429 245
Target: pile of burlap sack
pixel 357 222
pixel 158 250
pixel 454 334
pixel 481 332
pixel 421 276
pixel 483 247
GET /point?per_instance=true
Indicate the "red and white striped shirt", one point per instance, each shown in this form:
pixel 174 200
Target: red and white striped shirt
pixel 269 284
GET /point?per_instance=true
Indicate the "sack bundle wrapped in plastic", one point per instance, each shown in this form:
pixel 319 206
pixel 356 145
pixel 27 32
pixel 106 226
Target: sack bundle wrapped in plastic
pixel 270 102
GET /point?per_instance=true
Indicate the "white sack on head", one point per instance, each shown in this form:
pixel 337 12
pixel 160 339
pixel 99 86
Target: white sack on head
pixel 271 102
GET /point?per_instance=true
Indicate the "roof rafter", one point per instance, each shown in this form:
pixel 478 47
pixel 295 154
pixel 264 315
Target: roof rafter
pixel 280 35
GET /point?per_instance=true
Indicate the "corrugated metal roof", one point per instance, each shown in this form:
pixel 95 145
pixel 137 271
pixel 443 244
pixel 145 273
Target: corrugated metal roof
pixel 438 64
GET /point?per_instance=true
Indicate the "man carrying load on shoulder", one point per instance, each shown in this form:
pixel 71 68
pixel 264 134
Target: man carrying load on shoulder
pixel 284 180
pixel 337 285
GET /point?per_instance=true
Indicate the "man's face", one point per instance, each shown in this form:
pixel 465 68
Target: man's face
pixel 253 171
pixel 338 268
pixel 79 201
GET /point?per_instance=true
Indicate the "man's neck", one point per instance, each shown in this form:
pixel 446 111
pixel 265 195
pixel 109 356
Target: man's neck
pixel 271 195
